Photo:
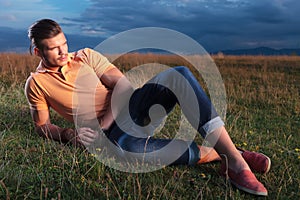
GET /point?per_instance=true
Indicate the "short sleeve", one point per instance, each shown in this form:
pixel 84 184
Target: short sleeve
pixel 34 95
pixel 97 61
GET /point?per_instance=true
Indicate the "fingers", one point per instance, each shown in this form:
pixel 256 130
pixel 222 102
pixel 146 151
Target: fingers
pixel 87 136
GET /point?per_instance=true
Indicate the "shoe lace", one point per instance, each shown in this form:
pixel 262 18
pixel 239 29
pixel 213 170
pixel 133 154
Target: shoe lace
pixel 225 160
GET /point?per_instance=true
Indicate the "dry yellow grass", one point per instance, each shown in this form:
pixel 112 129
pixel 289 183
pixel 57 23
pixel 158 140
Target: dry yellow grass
pixel 263 114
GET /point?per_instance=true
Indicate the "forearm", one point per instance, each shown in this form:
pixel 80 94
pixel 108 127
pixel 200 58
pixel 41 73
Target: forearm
pixel 107 120
pixel 115 80
pixel 53 132
pixel 120 100
pixel 122 92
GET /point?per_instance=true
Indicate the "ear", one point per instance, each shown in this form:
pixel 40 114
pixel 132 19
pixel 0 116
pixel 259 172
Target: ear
pixel 37 52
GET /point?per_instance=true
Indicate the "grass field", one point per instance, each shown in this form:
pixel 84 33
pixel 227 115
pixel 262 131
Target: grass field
pixel 263 115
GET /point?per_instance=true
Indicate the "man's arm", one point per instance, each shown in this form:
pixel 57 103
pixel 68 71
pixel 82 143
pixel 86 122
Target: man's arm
pixel 81 137
pixel 111 78
pixel 47 130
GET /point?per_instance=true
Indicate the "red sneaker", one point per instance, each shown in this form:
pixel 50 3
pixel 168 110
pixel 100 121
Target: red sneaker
pixel 244 180
pixel 257 162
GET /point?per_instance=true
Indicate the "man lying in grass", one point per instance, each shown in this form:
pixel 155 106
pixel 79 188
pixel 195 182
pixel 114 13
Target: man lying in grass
pixel 62 81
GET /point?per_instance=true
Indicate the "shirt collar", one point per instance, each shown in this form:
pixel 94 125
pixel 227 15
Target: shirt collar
pixel 42 69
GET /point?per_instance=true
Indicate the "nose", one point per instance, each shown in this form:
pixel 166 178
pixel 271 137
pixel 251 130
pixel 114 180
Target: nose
pixel 62 50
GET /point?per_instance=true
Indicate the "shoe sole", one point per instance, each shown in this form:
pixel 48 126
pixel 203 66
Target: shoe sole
pixel 248 190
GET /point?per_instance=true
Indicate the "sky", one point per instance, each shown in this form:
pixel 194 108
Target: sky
pixel 215 24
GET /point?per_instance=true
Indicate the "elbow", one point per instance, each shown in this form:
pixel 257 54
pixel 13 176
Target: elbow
pixel 41 131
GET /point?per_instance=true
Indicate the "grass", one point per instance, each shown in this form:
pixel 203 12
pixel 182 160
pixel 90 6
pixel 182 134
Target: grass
pixel 263 115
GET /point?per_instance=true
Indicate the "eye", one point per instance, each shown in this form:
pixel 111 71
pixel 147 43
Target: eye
pixel 51 48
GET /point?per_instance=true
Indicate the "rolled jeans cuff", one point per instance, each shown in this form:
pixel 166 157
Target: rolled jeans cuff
pixel 211 126
pixel 194 154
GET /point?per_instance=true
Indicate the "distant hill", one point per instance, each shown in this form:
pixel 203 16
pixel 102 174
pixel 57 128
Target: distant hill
pixel 260 51
pixel 15 40
pixel 265 51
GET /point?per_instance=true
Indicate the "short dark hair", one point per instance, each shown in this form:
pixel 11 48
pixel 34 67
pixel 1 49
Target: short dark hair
pixel 42 29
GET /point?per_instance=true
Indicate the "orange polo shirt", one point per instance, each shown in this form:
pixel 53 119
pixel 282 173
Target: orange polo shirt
pixel 75 92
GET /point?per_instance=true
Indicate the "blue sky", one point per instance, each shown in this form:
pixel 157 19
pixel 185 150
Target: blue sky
pixel 215 24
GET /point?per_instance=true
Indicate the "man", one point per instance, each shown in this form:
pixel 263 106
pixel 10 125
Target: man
pixel 62 81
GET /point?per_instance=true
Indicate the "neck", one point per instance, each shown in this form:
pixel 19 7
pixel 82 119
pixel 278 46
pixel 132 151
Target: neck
pixel 49 66
pixel 52 68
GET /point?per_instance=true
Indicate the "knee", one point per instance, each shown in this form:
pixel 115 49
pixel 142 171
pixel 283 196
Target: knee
pixel 183 70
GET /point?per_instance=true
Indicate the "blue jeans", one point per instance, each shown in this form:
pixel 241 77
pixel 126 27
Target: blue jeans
pixel 160 91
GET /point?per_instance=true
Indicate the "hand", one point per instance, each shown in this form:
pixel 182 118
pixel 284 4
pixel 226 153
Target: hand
pixel 87 136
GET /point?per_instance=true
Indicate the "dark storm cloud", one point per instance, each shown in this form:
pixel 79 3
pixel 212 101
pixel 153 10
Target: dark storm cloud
pixel 215 24
pixel 218 24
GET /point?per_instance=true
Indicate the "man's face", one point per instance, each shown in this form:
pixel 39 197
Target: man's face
pixel 54 52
